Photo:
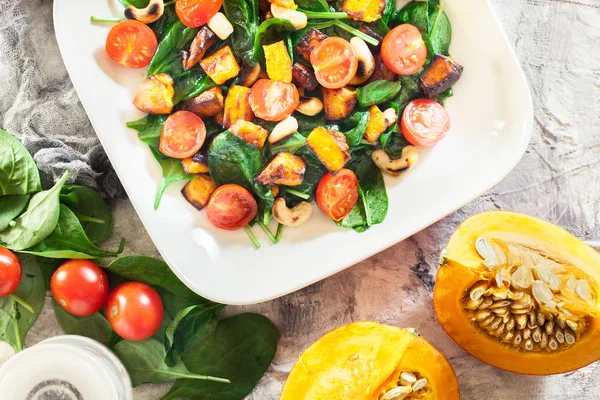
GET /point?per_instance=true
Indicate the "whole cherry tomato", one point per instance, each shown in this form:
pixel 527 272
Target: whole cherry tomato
pixel 80 287
pixel 10 272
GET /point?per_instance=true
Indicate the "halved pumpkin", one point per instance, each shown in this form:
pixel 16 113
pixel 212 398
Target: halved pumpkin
pixel 370 361
pixel 520 294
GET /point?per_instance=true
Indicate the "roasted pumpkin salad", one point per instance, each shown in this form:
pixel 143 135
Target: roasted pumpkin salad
pixel 266 106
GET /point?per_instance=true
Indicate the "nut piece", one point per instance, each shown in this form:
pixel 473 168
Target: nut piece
pixel 220 25
pixel 408 159
pixel 283 129
pixel 366 61
pixel 294 216
pixel 391 116
pixel 151 13
pixel 297 18
pixel 310 106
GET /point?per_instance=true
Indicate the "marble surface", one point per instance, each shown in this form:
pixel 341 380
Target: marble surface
pixel 558 179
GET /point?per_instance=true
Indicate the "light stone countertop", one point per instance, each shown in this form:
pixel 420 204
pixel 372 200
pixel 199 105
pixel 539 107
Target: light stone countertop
pixel 558 43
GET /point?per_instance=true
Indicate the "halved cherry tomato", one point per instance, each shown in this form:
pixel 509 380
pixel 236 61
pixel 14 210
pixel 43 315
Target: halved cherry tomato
pixel 182 135
pixel 80 287
pixel 195 13
pixel 337 194
pixel 403 50
pixel 231 207
pixel 335 62
pixel 424 122
pixel 131 43
pixel 273 100
pixel 134 310
pixel 10 272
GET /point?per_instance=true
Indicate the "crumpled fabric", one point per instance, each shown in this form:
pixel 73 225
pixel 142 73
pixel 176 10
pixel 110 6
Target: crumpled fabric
pixel 39 105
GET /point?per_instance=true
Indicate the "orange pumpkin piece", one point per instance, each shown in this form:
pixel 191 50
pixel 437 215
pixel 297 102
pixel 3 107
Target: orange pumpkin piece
pixel 203 41
pixel 285 3
pixel 254 134
pixel 155 95
pixel 330 147
pixel 207 104
pixel 221 65
pixel 284 169
pixel 197 191
pixel 193 165
pixel 339 103
pixel 278 61
pixel 364 10
pixel 237 106
pixel 370 361
pixel 376 126
pixel 250 75
pixel 520 294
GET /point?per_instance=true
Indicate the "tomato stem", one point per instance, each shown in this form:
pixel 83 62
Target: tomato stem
pixel 106 20
pixel 255 241
pixel 279 232
pixel 324 15
pixel 355 32
pixel 267 231
pixel 22 303
pixel 298 194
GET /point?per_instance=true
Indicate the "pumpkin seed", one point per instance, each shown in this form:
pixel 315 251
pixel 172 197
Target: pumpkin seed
pixel 584 290
pixel 481 315
pixel 478 290
pixel 561 321
pixel 500 311
pixel 541 292
pixel 540 319
pixel 559 335
pixel 508 336
pixel 517 340
pixel 522 278
pixel 528 345
pixel 420 384
pixel 407 378
pixel 536 335
pixel 573 325
pixel 549 328
pixel 474 304
pixel 487 321
pixel 521 320
pixel 526 333
pixel 510 325
pixel 544 341
pixel 486 303
pixel 569 337
pixel 501 303
pixel 552 344
pixel 397 393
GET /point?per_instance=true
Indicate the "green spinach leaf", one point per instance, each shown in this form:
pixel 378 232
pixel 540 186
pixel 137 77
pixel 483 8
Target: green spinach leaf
pixel 37 222
pixel 95 326
pixel 10 208
pixel 243 15
pixel 272 31
pixel 48 267
pixel 18 172
pixel 313 5
pixel 306 123
pixel 290 144
pixel 440 30
pixel 313 174
pixel 190 84
pixel 415 13
pixel 172 171
pixel 135 3
pixel 178 36
pixel 163 24
pixel 90 209
pixel 410 91
pixel 389 11
pixel 15 321
pixel 149 129
pixel 241 349
pixel 377 92
pixel 355 135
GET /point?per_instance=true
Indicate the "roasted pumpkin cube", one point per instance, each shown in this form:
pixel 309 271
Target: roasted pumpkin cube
pixel 304 76
pixel 382 72
pixel 309 41
pixel 330 147
pixel 284 169
pixel 155 95
pixel 192 165
pixel 339 103
pixel 218 119
pixel 250 132
pixel 285 3
pixel 237 106
pixel 207 104
pixel 221 65
pixel 364 10
pixel 278 61
pixel 197 191
pixel 250 75
pixel 203 41
pixel 275 190
pixel 376 126
pixel 440 75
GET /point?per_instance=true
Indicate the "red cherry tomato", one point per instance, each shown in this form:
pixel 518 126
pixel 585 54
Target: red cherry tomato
pixel 403 50
pixel 231 207
pixel 10 272
pixel 195 13
pixel 134 310
pixel 337 194
pixel 335 62
pixel 424 122
pixel 182 135
pixel 273 100
pixel 80 287
pixel 131 43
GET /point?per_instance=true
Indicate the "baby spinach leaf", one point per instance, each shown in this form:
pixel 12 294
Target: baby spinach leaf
pixel 389 11
pixel 11 207
pixel 90 209
pixel 415 13
pixel 68 240
pixel 48 266
pixel 313 5
pixel 271 31
pixel 95 326
pixel 306 123
pixel 18 172
pixel 355 135
pixel 190 84
pixel 409 92
pixel 442 97
pixel 37 222
pixel 377 92
pixel 243 15
pixel 172 171
pixel 135 3
pixel 149 128
pixel 313 174
pixel 290 144
pixel 439 29
pixel 163 24
pixel 15 321
pixel 145 363
pixel 177 37
pixel 241 349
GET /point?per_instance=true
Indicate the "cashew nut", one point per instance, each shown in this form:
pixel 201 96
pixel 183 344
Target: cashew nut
pixel 391 116
pixel 366 61
pixel 294 216
pixel 220 25
pixel 283 129
pixel 310 106
pixel 408 159
pixel 297 18
pixel 151 13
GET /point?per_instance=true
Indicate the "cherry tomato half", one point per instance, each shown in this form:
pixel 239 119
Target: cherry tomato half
pixel 231 207
pixel 10 272
pixel 195 13
pixel 182 135
pixel 131 43
pixel 80 287
pixel 273 100
pixel 403 50
pixel 424 122
pixel 134 310
pixel 337 194
pixel 335 62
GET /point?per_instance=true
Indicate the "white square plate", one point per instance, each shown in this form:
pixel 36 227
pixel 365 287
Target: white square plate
pixel 491 125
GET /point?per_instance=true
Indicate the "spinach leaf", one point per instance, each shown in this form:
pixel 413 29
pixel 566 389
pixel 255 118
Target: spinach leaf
pixel 271 31
pixel 389 11
pixel 410 91
pixel 415 13
pixel 145 363
pixel 355 135
pixel 149 128
pixel 48 266
pixel 290 144
pixel 172 171
pixel 306 123
pixel 190 84
pixel 163 24
pixel 313 5
pixel 178 36
pixel 243 15
pixel 11 207
pixel 68 240
pixel 135 3
pixel 190 326
pixel 392 130
pixel 439 29
pixel 241 349
pixel 37 222
pixel 95 326
pixel 442 97
pixel 15 321
pixel 18 172
pixel 377 92
pixel 90 209
pixel 313 174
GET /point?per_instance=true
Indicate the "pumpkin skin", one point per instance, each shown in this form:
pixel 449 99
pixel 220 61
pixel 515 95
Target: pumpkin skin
pixel 461 267
pixel 363 360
